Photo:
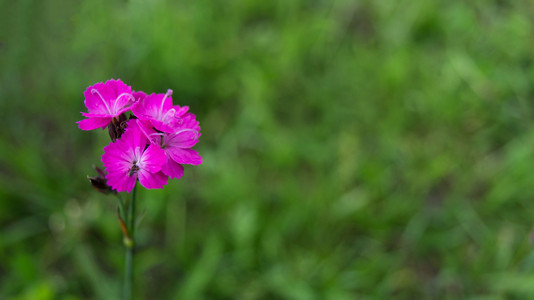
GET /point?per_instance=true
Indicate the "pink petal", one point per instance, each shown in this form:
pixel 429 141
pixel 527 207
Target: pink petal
pixel 117 153
pixel 165 126
pixel 102 98
pixel 133 138
pixel 188 121
pixel 180 110
pixel 150 107
pixel 90 115
pixel 114 89
pixel 153 104
pixel 121 182
pixel 94 123
pixel 173 169
pixel 149 132
pixel 158 109
pixel 94 102
pixel 123 103
pixel 152 180
pixel 118 159
pixel 113 163
pixel 152 159
pixel 187 138
pixel 184 156
pixel 139 96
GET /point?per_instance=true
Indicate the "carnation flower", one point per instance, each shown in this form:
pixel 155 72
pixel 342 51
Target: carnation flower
pixel 159 111
pixel 129 159
pixel 176 145
pixel 105 102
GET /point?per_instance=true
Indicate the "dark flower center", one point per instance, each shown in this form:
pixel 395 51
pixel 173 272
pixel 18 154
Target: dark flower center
pixel 133 169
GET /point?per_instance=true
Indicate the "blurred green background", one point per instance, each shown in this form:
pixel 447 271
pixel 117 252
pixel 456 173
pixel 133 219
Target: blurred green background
pixel 352 149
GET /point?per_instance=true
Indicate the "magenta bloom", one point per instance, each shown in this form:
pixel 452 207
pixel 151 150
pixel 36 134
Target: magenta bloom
pixel 149 148
pixel 176 145
pixel 129 159
pixel 159 111
pixel 106 101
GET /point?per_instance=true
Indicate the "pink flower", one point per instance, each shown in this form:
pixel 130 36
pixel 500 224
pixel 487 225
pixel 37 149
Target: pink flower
pixel 176 145
pixel 139 96
pixel 129 159
pixel 152 146
pixel 106 101
pixel 159 111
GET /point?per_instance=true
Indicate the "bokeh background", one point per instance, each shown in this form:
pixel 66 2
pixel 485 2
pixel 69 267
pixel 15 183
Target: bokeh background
pixel 352 149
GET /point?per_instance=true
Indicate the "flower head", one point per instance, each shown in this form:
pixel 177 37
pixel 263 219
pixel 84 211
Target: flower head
pixel 150 145
pixel 159 111
pixel 176 145
pixel 129 159
pixel 106 101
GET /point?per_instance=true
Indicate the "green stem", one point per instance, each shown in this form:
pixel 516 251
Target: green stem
pixel 121 207
pixel 129 244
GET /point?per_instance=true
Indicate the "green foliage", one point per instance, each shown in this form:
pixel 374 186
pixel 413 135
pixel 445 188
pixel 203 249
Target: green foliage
pixel 352 149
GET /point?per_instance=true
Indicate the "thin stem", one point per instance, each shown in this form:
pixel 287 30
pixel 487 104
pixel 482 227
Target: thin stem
pixel 131 214
pixel 129 244
pixel 121 207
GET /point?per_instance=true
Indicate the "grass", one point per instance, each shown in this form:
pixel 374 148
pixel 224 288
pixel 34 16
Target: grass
pixel 352 149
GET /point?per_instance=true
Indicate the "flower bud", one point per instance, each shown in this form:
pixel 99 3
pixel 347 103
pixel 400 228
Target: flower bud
pixel 116 127
pixel 99 182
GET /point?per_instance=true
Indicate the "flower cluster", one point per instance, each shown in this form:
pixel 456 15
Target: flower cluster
pixel 150 145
